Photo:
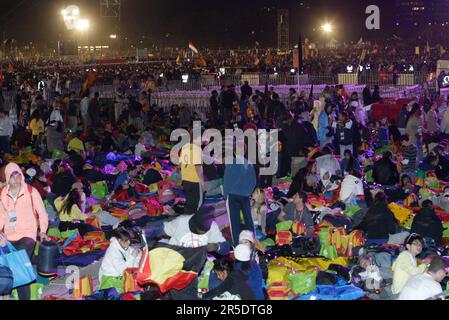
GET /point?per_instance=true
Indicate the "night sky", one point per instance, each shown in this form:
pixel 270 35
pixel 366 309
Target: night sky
pixel 213 23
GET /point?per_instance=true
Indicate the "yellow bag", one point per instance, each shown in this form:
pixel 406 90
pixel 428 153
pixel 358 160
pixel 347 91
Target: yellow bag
pixel 340 239
pixel 83 288
pixel 322 264
pixel 277 272
pixel 401 214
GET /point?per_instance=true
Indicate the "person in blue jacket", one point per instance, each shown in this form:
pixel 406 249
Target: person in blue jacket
pixel 325 131
pixel 239 184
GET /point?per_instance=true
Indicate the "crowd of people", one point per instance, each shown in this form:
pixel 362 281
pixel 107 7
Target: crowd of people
pixel 331 148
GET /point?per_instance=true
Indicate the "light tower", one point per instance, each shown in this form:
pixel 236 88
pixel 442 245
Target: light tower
pixel 111 10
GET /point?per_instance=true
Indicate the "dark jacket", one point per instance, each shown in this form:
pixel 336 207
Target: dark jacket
pixel 385 172
pixel 299 184
pixel 379 222
pixel 255 278
pixel 237 283
pixel 427 224
pixel 62 184
pixel 246 91
pixel 442 169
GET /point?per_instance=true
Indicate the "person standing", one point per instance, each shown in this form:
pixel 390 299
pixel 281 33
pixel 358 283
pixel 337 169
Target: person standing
pixel 94 110
pixel 246 90
pixel 239 184
pixel 192 177
pixel 85 111
pixel 214 107
pixel 6 131
pixel 72 113
pixel 22 216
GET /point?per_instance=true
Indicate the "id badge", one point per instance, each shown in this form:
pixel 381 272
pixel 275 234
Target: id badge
pixel 12 216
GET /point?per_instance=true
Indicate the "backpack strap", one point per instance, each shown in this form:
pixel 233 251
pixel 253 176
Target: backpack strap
pixel 30 192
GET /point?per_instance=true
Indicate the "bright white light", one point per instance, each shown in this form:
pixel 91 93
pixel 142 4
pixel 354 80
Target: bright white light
pixel 64 12
pixel 276 73
pixel 327 28
pixel 113 36
pixel 292 70
pixel 361 68
pixel 411 69
pixel 161 75
pixel 82 25
pixel 349 68
pixel 185 78
pixel 222 71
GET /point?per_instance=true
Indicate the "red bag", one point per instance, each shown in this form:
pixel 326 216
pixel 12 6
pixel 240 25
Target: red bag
pixel 142 188
pixel 284 238
pixel 96 236
pixel 154 208
pixel 94 221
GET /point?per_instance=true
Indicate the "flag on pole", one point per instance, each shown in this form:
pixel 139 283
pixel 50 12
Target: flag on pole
pixel 203 62
pixel 178 60
pixel 193 48
pixel 427 47
pixel 417 51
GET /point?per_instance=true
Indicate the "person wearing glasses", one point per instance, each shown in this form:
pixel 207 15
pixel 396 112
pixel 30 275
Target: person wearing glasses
pixel 406 264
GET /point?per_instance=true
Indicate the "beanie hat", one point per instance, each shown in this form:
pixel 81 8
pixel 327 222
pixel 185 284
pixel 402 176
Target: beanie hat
pixel 202 221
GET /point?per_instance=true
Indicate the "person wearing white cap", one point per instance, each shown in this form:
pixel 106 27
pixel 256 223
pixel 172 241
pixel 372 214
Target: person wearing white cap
pixel 245 255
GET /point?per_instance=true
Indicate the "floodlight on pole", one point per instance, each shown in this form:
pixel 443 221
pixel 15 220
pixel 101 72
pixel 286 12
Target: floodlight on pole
pixel 113 36
pixel 82 25
pixel 327 28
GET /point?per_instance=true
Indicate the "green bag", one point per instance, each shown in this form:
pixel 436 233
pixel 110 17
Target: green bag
pixel 54 232
pixel 268 243
pixel 108 282
pixel 36 289
pixel 68 234
pixel 284 226
pixel 203 279
pixel 329 252
pixel 446 231
pixel 303 282
pixel 100 190
pixel 58 154
pixel 351 211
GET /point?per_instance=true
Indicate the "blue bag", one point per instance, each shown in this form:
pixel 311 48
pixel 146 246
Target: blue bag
pixel 20 265
pixel 6 280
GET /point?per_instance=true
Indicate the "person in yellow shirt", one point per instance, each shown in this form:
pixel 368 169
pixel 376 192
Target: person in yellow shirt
pixel 191 175
pixel 406 264
pixel 75 144
pixel 36 125
pixel 71 215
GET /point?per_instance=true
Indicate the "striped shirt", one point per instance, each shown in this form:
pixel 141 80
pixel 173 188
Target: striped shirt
pixel 410 154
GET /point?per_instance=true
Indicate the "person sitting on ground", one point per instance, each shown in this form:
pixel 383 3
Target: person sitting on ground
pixel 71 215
pixel 140 147
pixel 349 162
pixel 406 264
pixel 426 285
pixel 305 180
pixel 385 171
pixel 379 222
pixel 441 164
pixel 119 257
pixel 428 224
pixel 234 281
pixel 351 191
pixel 296 210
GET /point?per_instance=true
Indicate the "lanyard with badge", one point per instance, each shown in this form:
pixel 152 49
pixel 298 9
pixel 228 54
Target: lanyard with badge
pixel 11 214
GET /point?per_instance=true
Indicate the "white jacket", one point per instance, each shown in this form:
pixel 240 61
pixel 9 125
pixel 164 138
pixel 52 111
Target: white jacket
pixel 117 260
pixel 351 186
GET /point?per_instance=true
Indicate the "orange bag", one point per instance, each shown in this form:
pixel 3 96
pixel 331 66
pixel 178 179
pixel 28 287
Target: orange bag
pixel 101 245
pixel 96 236
pixel 129 280
pixel 284 238
pixel 83 288
pixel 94 221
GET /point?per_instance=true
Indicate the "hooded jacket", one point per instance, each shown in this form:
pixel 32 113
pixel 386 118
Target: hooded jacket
pixel 117 260
pixel 27 224
pixel 385 172
pixel 427 224
pixel 240 179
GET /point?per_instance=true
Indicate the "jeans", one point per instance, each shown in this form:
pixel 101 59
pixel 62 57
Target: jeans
pixel 236 204
pixel 28 245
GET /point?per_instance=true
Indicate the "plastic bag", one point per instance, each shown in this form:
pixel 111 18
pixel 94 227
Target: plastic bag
pixel 303 282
